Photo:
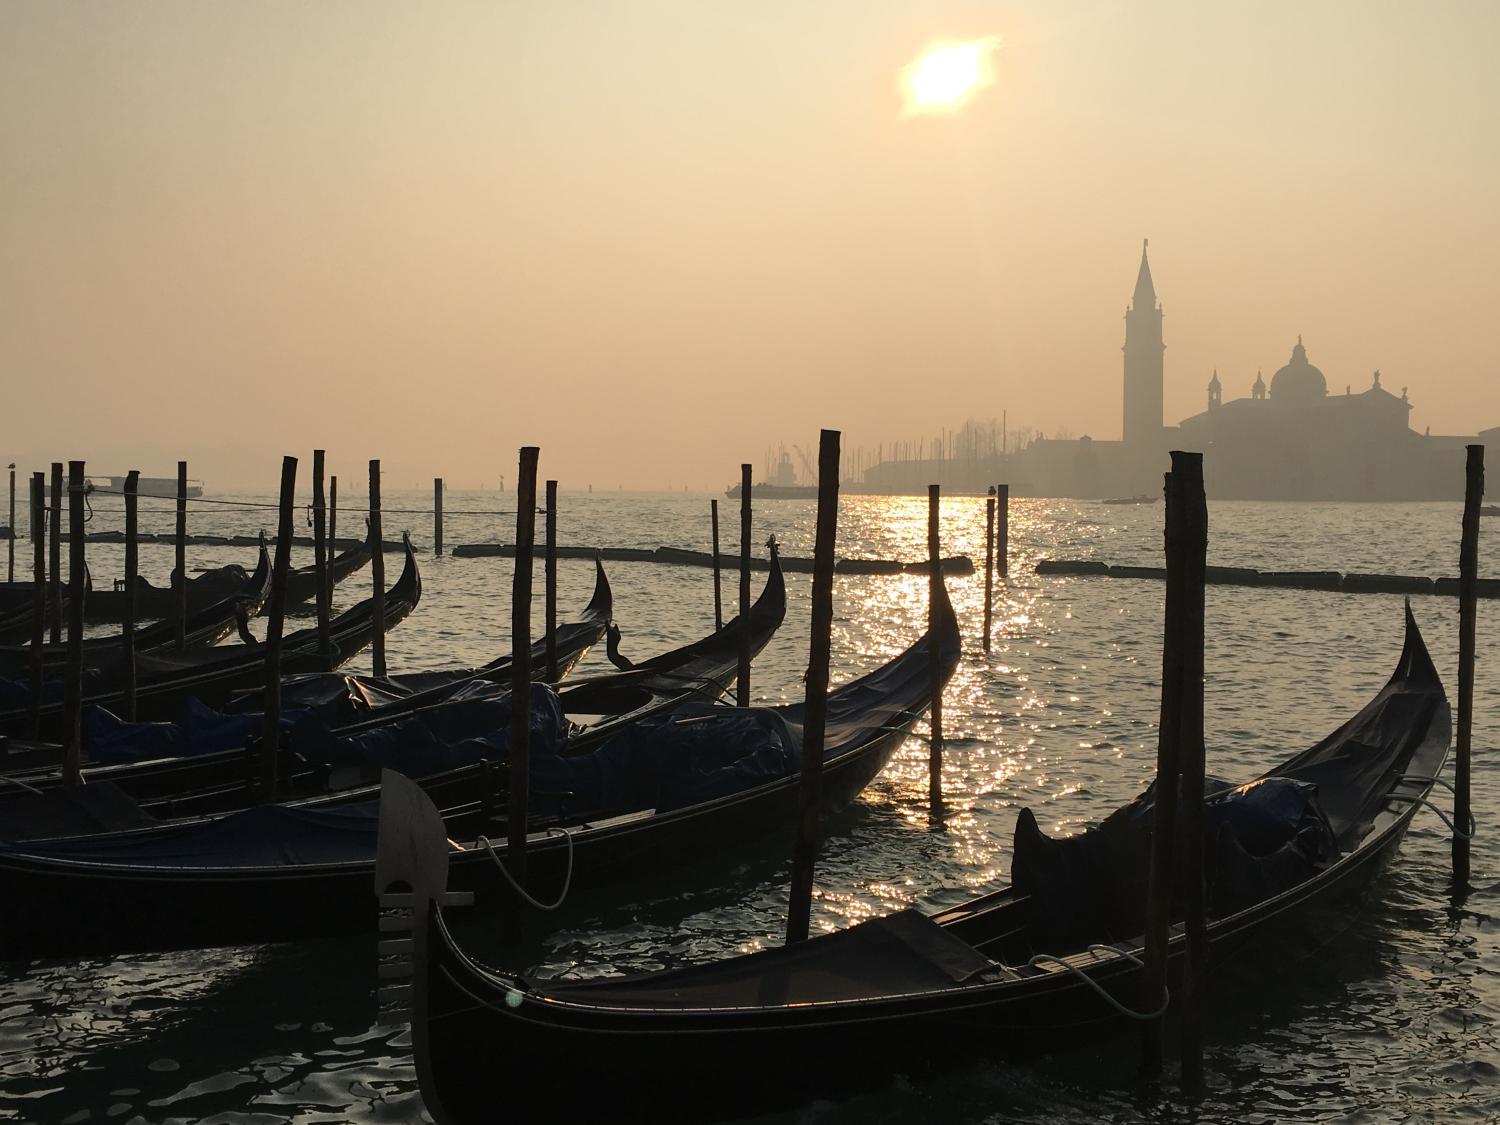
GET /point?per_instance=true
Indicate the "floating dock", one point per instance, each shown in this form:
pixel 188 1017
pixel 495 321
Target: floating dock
pixel 1328 580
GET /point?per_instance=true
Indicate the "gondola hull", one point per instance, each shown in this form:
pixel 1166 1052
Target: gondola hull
pixel 895 995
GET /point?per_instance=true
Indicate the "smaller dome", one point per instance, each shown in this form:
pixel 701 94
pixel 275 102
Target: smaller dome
pixel 1298 381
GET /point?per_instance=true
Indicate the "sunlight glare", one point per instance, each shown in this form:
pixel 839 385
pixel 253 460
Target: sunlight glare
pixel 944 78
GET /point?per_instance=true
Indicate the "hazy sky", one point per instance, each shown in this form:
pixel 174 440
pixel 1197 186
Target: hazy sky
pixel 654 238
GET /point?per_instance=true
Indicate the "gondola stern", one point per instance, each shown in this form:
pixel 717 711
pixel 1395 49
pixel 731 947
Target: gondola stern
pixel 601 605
pixel 1416 667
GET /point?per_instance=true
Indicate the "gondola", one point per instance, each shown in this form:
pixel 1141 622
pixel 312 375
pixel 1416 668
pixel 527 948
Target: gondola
pixel 16 609
pixel 293 871
pixel 1007 974
pixel 166 679
pixel 160 762
pixel 205 626
pixel 157 603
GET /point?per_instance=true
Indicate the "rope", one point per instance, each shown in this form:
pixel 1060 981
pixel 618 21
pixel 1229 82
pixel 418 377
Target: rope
pixel 267 506
pixel 1166 995
pixel 1444 817
pixel 484 842
pixel 1448 785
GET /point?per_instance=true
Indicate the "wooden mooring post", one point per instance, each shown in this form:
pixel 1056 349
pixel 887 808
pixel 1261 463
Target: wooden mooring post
pixel 38 597
pixel 550 575
pixel 54 558
pixel 989 567
pixel 333 515
pixel 1002 541
pixel 180 599
pixel 377 572
pixel 10 546
pixel 1164 811
pixel 1192 544
pixel 742 681
pixel 520 668
pixel 73 684
pixel 322 548
pixel 713 513
pixel 935 663
pixel 132 569
pixel 1468 579
pixel 815 711
pixel 270 739
pixel 437 517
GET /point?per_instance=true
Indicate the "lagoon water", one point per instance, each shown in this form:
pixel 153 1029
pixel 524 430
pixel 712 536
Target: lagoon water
pixel 1398 1019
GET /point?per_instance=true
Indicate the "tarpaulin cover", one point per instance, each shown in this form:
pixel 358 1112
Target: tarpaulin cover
pixel 201 730
pixel 267 836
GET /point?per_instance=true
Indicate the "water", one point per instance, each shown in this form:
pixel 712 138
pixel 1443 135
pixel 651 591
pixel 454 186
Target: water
pixel 1396 1021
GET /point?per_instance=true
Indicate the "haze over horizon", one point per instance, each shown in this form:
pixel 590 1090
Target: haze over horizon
pixel 656 238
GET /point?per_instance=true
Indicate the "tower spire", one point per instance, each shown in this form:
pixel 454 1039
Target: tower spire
pixel 1145 291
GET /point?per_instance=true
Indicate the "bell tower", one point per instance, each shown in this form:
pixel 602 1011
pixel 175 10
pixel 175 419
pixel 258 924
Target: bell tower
pixel 1144 369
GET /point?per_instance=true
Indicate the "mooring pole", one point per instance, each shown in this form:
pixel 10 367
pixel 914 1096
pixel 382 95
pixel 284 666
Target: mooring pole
pixel 38 597
pixel 520 667
pixel 333 517
pixel 377 572
pixel 713 512
pixel 180 599
pixel 1167 785
pixel 73 685
pixel 437 516
pixel 989 567
pixel 550 575
pixel 322 548
pixel 1468 582
pixel 270 739
pixel 1187 478
pixel 742 687
pixel 132 569
pixel 54 560
pixel 815 711
pixel 935 664
pixel 1003 541
pixel 10 569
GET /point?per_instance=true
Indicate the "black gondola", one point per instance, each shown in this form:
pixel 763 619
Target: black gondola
pixel 293 871
pixel 205 626
pixel 165 679
pixel 909 991
pixel 154 603
pixel 173 771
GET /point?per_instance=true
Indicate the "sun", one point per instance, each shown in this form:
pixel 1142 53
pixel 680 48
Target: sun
pixel 946 76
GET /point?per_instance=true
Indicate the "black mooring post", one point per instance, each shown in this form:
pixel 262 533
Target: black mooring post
pixel 437 516
pixel 935 664
pixel 1002 506
pixel 10 569
pixel 73 685
pixel 333 518
pixel 180 599
pixel 1187 477
pixel 38 598
pixel 713 513
pixel 1468 584
pixel 270 741
pixel 815 711
pixel 54 559
pixel 520 667
pixel 989 567
pixel 1167 785
pixel 377 572
pixel 550 575
pixel 132 570
pixel 322 548
pixel 742 685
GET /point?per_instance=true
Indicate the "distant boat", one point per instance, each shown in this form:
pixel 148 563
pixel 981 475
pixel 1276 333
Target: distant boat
pixel 148 486
pixel 1143 498
pixel 782 484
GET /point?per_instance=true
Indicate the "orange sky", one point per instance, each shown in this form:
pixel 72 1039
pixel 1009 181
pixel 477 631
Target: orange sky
pixel 654 238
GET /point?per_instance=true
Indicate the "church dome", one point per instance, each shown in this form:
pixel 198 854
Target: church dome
pixel 1298 381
